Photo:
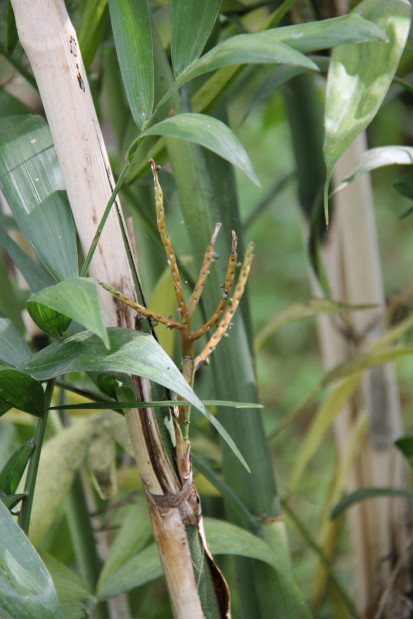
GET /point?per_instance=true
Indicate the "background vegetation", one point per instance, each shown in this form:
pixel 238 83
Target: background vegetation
pixel 96 540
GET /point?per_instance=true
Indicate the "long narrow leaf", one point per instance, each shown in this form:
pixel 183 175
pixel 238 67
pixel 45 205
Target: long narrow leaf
pixel 192 22
pixel 133 40
pixel 35 276
pixel 13 348
pixel 33 186
pixel 378 158
pixel 298 311
pixel 328 33
pixel 131 352
pixel 26 589
pixel 258 48
pixel 210 133
pixel 21 391
pixel 368 493
pixel 78 299
pixel 359 77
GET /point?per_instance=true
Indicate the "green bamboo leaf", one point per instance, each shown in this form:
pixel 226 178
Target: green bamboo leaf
pixel 298 311
pixel 226 538
pixel 13 348
pixel 192 22
pixel 132 32
pixel 307 37
pixel 26 589
pixel 77 299
pixel 51 322
pixel 131 352
pixel 93 24
pixel 223 538
pixel 21 391
pixel 258 48
pixel 35 276
pixel 208 132
pixel 12 471
pixel 364 362
pixel 378 158
pixel 33 186
pixel 114 405
pixel 329 33
pixel 368 493
pixel 359 77
pixel 74 598
pixel 405 445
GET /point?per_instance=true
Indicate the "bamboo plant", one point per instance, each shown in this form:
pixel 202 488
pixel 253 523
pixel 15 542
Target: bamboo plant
pixel 169 106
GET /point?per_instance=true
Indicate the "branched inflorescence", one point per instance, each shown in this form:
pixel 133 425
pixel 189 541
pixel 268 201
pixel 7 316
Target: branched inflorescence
pixel 221 317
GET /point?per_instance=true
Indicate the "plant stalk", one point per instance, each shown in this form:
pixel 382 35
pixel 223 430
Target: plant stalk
pixel 26 510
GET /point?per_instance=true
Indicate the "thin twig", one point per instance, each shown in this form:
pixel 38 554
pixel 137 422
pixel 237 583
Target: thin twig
pixel 229 280
pixel 209 258
pixel 230 311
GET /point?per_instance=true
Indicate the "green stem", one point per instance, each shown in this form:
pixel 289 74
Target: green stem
pixel 92 249
pixel 26 510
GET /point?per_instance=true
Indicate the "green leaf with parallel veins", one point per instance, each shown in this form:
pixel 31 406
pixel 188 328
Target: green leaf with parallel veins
pixel 359 77
pixel 209 133
pixel 368 493
pixel 33 186
pixel 192 22
pixel 12 471
pixel 26 589
pixel 131 352
pixel 73 596
pixel 21 391
pixel 258 48
pixel 317 35
pixel 77 299
pixel 378 158
pixel 304 309
pixel 226 538
pixel 94 21
pixel 132 32
pixel 35 275
pixel 405 445
pixel 13 348
pixel 51 322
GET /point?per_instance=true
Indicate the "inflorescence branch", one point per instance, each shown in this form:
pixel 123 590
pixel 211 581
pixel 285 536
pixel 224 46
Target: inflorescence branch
pixel 222 316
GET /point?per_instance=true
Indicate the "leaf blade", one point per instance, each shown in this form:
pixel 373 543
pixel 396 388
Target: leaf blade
pixel 78 299
pixel 26 589
pixel 192 22
pixel 131 352
pixel 209 133
pixel 359 77
pixel 133 40
pixel 21 391
pixel 33 186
